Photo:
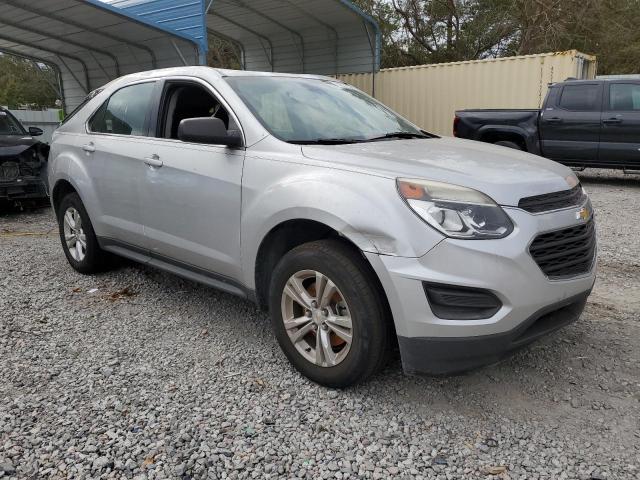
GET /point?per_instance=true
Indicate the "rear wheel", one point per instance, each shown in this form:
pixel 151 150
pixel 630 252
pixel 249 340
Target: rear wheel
pixel 509 144
pixel 78 239
pixel 328 314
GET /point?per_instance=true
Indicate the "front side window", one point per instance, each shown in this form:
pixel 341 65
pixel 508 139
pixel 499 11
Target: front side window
pixel 184 100
pixel 300 110
pixel 9 125
pixel 624 97
pixel 126 112
pixel 581 98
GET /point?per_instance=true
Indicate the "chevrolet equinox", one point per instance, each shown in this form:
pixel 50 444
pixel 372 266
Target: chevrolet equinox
pixel 359 232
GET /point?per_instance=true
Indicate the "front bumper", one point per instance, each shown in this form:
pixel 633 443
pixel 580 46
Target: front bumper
pixel 532 304
pixel 24 188
pixel 448 355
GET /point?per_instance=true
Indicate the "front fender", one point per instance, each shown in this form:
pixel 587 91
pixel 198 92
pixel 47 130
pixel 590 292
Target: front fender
pixel 364 208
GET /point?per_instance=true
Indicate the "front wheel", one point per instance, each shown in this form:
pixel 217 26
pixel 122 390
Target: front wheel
pixel 329 316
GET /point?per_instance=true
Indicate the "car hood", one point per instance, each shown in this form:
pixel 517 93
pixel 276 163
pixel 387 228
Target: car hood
pixel 11 145
pixel 505 174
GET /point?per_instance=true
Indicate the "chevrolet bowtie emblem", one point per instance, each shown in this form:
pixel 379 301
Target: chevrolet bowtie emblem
pixel 583 214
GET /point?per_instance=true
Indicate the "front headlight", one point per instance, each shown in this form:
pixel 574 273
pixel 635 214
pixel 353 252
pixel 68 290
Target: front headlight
pixel 455 211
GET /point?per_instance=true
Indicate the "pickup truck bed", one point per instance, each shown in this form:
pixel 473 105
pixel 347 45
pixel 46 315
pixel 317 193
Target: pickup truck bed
pixel 583 123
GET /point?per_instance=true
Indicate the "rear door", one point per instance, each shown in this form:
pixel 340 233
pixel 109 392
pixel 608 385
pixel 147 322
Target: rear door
pixel 570 129
pixel 113 147
pixel 620 139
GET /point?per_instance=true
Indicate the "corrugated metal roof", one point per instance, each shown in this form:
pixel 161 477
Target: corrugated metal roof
pixel 184 16
pixel 89 43
pixel 300 36
pixel 323 36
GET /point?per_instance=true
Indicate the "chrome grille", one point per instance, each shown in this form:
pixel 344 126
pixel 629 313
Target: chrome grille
pixel 9 171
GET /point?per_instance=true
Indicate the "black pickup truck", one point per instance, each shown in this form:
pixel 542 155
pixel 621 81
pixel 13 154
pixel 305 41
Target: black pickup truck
pixel 583 123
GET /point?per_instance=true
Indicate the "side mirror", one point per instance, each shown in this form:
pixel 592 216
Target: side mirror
pixel 35 131
pixel 208 130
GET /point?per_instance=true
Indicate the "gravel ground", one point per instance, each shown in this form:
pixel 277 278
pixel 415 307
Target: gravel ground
pixel 138 374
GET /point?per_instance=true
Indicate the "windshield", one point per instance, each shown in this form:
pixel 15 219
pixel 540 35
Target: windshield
pixel 9 125
pixel 299 110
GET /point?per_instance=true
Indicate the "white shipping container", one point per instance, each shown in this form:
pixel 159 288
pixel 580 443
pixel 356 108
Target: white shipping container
pixel 428 95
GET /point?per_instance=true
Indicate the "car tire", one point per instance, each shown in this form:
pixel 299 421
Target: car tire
pixel 78 238
pixel 508 144
pixel 350 291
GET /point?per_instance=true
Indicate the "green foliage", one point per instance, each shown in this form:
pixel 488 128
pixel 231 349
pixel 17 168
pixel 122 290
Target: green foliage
pixel 435 31
pixel 223 53
pixel 23 82
pixel 606 28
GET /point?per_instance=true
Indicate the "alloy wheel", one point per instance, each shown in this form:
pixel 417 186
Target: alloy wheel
pixel 74 235
pixel 317 318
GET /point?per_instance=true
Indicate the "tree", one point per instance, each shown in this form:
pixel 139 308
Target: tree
pixel 24 82
pixel 433 31
pixel 606 28
pixel 223 53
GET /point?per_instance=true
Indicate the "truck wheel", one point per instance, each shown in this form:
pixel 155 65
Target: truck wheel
pixel 508 144
pixel 78 239
pixel 328 314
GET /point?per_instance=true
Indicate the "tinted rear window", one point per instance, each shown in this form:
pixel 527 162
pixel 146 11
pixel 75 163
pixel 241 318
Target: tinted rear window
pixel 581 98
pixel 126 112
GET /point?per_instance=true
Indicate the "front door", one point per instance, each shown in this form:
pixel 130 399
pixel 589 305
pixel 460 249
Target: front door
pixel 620 139
pixel 191 196
pixel 570 130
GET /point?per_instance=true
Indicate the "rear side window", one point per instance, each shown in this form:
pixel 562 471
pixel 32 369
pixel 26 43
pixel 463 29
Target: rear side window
pixel 624 97
pixel 126 112
pixel 86 100
pixel 581 98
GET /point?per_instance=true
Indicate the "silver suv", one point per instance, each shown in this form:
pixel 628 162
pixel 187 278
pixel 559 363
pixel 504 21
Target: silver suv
pixel 359 232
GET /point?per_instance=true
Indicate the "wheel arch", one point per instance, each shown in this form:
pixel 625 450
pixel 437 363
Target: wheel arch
pixel 284 237
pixel 61 189
pixel 289 234
pixel 496 134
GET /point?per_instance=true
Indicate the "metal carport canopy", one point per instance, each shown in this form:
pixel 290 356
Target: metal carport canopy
pixel 298 36
pixel 89 43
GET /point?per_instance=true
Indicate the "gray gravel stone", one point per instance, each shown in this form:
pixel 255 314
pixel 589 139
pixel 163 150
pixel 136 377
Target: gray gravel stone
pixel 7 468
pixel 105 385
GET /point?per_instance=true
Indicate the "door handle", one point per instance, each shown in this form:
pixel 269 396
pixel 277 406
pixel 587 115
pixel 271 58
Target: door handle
pixel 154 161
pixel 612 121
pixel 89 147
pixel 553 120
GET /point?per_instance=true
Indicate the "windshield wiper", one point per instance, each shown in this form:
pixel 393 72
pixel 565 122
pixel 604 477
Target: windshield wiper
pixel 344 141
pixel 326 141
pixel 401 135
